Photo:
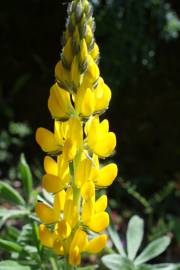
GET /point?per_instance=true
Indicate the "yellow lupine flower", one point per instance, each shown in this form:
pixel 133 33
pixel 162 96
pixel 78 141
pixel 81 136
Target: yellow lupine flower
pixel 101 204
pixel 88 190
pixel 47 141
pixel 63 229
pixel 46 213
pixel 95 52
pixel 102 95
pixel 100 140
pixel 99 222
pixel 46 236
pixel 56 182
pixel 96 244
pixel 85 102
pixel 63 77
pixel 59 201
pixel 77 246
pixel 91 75
pixel 59 103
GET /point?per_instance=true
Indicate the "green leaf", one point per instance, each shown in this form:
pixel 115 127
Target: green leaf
pixel 10 194
pixel 116 239
pixel 153 250
pixel 161 266
pixel 6 214
pixel 135 234
pixel 26 176
pixel 10 246
pixel 116 262
pixel 12 265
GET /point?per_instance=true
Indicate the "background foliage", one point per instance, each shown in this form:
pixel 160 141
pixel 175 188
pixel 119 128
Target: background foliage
pixel 139 42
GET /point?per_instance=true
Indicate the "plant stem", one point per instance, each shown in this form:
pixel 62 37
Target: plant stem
pixel 53 263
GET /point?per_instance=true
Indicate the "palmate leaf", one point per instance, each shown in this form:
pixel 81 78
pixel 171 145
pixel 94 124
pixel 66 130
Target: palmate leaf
pixel 161 266
pixel 12 265
pixel 135 234
pixel 116 238
pixel 154 249
pixel 117 262
pixel 9 193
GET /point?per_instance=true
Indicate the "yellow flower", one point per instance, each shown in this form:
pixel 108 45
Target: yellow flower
pixel 46 213
pixel 77 246
pixel 102 95
pixel 53 143
pixel 85 102
pixel 96 244
pixel 59 103
pixel 57 174
pixel 99 139
pixel 47 237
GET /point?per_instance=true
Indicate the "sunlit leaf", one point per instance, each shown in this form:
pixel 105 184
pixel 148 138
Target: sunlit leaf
pixel 135 234
pixel 117 262
pixel 116 239
pixel 153 250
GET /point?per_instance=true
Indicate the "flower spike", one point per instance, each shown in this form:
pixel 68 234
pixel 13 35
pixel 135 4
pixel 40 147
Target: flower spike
pixel 72 172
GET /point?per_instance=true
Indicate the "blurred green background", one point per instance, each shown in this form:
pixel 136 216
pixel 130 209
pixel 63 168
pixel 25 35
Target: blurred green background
pixel 140 61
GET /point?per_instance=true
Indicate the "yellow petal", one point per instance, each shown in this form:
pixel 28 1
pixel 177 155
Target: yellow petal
pixel 52 183
pixel 107 174
pixel 69 150
pixel 88 190
pixel 101 204
pixel 70 212
pixel 50 165
pixel 63 229
pixel 47 140
pixel 105 147
pixel 85 101
pixel 59 201
pixel 97 244
pixel 83 52
pixel 83 172
pixel 91 129
pixel 46 236
pixel 58 247
pixel 46 214
pixel 75 256
pixel 91 75
pixel 75 74
pixel 63 169
pixel 75 133
pixel 87 211
pixel 95 52
pixel 79 240
pixel 63 76
pixel 67 51
pixel 102 96
pixel 99 222
pixel 59 103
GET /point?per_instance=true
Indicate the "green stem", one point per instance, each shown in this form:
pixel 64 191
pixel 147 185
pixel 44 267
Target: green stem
pixel 67 266
pixel 53 263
